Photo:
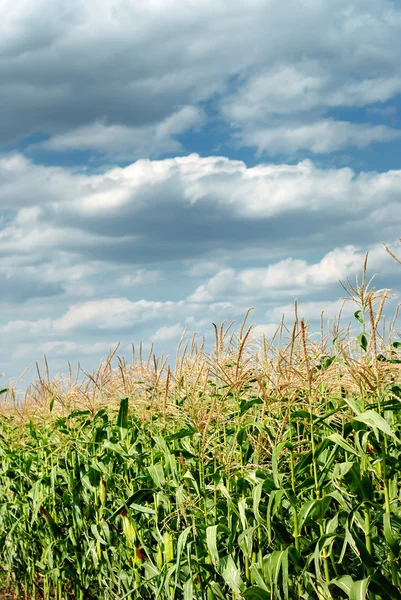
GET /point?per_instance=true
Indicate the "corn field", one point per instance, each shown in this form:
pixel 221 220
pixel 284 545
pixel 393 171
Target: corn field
pixel 261 471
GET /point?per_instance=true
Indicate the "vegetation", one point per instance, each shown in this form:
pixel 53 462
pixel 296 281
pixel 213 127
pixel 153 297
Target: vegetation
pixel 259 472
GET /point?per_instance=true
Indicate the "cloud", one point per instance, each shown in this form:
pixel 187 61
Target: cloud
pixel 301 87
pixel 111 313
pixel 140 277
pixel 29 186
pixel 289 277
pixel 169 332
pixel 107 313
pixel 117 142
pixel 63 348
pixel 118 243
pixel 265 329
pixel 312 310
pixel 320 137
pixel 142 64
pixel 199 211
pixel 20 326
pixel 280 108
pixel 278 111
pixel 280 90
pixel 198 268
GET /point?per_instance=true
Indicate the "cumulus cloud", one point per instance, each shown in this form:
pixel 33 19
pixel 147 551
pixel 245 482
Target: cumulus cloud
pixel 111 313
pixel 265 329
pixel 117 142
pixel 59 348
pixel 144 63
pixel 121 224
pixel 312 310
pixel 169 332
pixel 20 326
pixel 188 184
pixel 287 277
pixel 301 87
pixel 126 245
pixel 140 277
pixel 280 109
pixel 320 137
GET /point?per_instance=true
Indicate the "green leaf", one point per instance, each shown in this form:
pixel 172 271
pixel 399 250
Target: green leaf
pixel 258 578
pixel 182 433
pixel 256 496
pixel 140 494
pixel 358 317
pixel 388 534
pixel 374 420
pixel 344 582
pixel 157 474
pixel 246 405
pixel 231 574
pixel 340 441
pixel 305 511
pixel 325 362
pixel 245 541
pixel 122 419
pixel 359 589
pixel 181 544
pixel 353 405
pixel 363 340
pixel 97 535
pixel 341 469
pixel 256 593
pixel 272 506
pixel 380 585
pixel 275 461
pixel 211 541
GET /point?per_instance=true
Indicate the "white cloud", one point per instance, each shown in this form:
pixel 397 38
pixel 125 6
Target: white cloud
pixel 200 268
pixel 29 186
pixel 122 80
pixel 112 313
pixel 301 87
pixel 282 90
pixel 287 277
pixel 41 326
pixel 280 109
pixel 169 332
pixel 108 226
pixel 261 191
pixel 107 313
pixel 320 137
pixel 312 310
pixel 266 329
pixel 117 142
pixel 365 92
pixel 144 66
pixel 140 277
pixel 63 348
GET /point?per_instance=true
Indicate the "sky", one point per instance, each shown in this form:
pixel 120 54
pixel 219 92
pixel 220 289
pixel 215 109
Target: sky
pixel 171 163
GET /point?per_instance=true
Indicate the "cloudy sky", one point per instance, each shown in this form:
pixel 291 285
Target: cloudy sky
pixel 167 163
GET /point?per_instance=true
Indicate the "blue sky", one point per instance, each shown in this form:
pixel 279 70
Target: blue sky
pixel 167 164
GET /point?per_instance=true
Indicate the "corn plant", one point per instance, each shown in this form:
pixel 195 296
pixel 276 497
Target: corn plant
pixel 243 474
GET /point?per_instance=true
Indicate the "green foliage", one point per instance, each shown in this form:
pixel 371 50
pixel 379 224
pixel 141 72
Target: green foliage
pixel 106 506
